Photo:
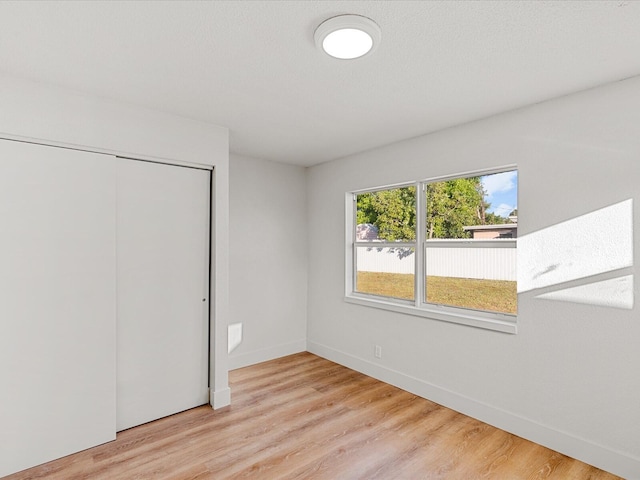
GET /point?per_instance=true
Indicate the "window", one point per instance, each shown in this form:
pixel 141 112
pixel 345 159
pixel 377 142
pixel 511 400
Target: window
pixel 386 243
pixel 444 248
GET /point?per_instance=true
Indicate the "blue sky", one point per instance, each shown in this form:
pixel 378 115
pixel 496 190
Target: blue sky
pixel 502 192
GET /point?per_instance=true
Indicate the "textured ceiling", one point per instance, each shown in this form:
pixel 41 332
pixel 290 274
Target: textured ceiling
pixel 253 66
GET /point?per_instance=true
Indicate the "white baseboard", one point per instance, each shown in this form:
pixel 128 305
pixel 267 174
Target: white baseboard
pixel 599 456
pixel 266 354
pixel 220 398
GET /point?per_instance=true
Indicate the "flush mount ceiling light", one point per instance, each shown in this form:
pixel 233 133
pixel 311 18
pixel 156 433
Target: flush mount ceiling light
pixel 348 36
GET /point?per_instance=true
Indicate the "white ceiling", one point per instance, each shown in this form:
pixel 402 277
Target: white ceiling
pixel 252 65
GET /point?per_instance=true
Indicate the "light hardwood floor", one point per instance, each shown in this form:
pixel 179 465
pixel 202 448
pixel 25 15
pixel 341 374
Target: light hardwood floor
pixel 304 417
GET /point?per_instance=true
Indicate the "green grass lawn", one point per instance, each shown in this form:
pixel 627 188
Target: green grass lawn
pixel 492 295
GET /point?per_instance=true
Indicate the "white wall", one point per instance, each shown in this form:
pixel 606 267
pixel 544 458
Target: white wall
pixel 44 114
pixel 35 111
pixel 569 378
pixel 268 258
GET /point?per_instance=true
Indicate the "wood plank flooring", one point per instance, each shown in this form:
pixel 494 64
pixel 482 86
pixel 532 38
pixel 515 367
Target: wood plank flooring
pixel 303 417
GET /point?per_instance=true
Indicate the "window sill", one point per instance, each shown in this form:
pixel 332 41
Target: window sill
pixel 470 319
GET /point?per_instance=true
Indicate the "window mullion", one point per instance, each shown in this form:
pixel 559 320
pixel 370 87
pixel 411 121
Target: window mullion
pixel 354 250
pixel 419 252
pixel 381 251
pixel 350 253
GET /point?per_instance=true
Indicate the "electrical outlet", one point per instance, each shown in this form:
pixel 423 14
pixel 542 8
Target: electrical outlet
pixel 377 351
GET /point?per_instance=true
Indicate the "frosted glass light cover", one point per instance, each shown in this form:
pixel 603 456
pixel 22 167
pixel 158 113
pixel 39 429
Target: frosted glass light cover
pixel 348 36
pixel 347 43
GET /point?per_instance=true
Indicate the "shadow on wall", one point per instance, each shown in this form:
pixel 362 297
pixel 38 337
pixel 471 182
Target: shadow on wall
pixel 235 336
pixel 588 259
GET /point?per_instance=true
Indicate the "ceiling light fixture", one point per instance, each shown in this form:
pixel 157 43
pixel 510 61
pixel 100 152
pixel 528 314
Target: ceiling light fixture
pixel 348 36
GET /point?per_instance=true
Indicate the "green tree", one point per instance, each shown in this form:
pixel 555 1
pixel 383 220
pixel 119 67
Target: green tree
pixel 454 204
pixel 493 219
pixel 451 205
pixel 392 211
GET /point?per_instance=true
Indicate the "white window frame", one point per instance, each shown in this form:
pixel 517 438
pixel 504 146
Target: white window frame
pixel 501 322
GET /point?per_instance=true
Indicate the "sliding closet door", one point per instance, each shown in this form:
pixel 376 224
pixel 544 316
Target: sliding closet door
pixel 163 270
pixel 57 303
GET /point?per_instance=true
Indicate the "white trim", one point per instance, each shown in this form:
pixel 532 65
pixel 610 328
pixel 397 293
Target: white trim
pixel 470 318
pixel 471 243
pixel 219 398
pixel 107 151
pixel 473 173
pixel 266 354
pixel 496 321
pixel 219 284
pixel 498 226
pixel 350 239
pixel 616 462
pixel 383 244
pixel 391 186
pixel 421 257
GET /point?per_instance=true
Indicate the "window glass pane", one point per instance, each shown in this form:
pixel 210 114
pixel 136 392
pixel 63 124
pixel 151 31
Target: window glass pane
pixel 388 215
pixel 473 207
pixel 476 278
pixel 462 215
pixel 385 271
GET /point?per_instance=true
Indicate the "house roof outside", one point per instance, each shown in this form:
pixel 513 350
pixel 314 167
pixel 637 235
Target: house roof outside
pixel 505 226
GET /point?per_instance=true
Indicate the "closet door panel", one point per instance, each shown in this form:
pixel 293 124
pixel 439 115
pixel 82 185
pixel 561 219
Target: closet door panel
pixel 163 267
pixel 57 303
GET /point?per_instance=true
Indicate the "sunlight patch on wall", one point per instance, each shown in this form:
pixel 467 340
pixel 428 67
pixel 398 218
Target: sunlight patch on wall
pixel 235 336
pixel 584 260
pixel 615 292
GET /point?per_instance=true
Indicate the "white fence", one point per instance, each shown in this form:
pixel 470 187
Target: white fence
pixel 446 258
